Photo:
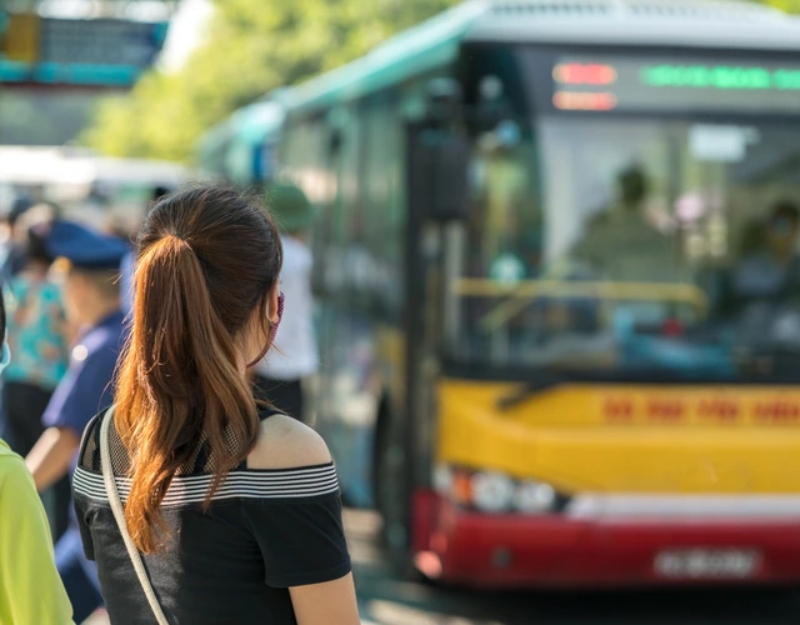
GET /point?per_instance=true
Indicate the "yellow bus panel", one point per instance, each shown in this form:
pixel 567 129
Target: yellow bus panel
pixel 626 438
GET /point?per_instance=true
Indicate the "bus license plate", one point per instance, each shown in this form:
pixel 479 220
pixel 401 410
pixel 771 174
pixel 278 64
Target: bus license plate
pixel 707 563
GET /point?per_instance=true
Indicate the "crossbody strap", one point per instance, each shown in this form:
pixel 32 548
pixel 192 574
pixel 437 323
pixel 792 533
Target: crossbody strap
pixel 119 515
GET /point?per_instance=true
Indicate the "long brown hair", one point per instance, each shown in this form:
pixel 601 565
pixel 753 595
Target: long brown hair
pixel 208 260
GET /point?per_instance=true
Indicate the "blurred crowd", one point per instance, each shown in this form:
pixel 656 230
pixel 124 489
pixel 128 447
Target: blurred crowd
pixel 64 331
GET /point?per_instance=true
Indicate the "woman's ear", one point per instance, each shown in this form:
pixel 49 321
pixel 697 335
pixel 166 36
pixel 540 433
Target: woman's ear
pixel 273 313
pixel 256 340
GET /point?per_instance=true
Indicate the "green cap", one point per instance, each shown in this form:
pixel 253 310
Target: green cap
pixel 290 207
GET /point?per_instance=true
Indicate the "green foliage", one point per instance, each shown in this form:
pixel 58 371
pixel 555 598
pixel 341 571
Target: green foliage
pixel 251 47
pixel 791 6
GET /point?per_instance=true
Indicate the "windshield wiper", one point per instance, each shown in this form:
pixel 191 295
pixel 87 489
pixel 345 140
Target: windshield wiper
pixel 543 381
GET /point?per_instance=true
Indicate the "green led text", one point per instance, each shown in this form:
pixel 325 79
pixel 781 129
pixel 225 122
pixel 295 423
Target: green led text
pixel 720 77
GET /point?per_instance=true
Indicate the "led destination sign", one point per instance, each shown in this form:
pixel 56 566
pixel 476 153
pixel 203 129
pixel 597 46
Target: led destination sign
pixel 701 85
pixel 720 77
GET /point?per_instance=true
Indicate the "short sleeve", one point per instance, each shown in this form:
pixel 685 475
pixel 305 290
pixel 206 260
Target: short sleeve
pixel 31 591
pixel 88 460
pixel 84 391
pixel 301 538
pixel 86 531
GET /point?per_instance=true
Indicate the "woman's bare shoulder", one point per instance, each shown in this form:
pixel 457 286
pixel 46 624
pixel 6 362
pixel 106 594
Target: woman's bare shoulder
pixel 285 443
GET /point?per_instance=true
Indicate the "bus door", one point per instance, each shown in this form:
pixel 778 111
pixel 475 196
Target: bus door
pixel 344 335
pixel 436 172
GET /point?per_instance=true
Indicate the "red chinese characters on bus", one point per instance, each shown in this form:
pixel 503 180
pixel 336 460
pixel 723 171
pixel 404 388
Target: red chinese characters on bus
pixel 618 409
pixel 778 411
pixel 666 410
pixel 622 409
pixel 706 410
pixel 720 410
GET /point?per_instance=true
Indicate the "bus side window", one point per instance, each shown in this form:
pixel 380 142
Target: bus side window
pixel 384 207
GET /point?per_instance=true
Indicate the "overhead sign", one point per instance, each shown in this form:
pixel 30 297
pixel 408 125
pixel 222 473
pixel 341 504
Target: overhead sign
pixel 100 42
pixel 99 52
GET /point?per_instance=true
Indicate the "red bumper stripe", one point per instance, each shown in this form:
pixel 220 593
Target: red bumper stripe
pixel 527 551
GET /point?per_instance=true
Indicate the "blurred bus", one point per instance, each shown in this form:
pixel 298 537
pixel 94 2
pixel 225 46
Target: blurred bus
pixel 560 290
pixel 241 149
pixel 109 193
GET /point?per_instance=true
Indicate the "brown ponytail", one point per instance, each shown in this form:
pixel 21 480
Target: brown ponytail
pixel 207 262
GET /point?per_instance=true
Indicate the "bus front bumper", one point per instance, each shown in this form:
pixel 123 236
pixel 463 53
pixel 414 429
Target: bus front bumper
pixel 566 550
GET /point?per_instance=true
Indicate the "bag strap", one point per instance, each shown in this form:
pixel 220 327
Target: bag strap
pixel 119 516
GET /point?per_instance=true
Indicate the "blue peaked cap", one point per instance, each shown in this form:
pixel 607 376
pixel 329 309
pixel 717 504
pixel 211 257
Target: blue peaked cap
pixel 85 248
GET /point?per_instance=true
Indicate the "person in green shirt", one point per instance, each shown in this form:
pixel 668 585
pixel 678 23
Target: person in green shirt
pixel 31 591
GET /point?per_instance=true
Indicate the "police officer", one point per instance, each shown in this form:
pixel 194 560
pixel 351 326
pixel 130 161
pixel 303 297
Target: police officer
pixel 92 303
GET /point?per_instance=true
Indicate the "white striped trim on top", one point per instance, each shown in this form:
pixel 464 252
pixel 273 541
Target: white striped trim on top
pixel 278 484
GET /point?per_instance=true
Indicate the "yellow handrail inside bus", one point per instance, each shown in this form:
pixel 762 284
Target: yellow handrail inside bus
pixel 520 293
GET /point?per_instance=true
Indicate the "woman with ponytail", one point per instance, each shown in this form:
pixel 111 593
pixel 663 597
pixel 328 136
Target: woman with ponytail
pixel 233 509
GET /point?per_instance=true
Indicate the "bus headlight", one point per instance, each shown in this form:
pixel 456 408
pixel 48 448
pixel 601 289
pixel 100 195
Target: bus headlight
pixel 496 492
pixel 443 480
pixel 492 492
pixel 535 497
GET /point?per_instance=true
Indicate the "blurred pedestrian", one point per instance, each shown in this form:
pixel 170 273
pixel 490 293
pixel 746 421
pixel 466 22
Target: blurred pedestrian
pixel 37 336
pixel 128 261
pixel 237 512
pixel 13 252
pixel 91 297
pixel 30 589
pixel 279 376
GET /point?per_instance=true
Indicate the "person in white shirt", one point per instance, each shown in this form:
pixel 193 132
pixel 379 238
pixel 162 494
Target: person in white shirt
pixel 279 376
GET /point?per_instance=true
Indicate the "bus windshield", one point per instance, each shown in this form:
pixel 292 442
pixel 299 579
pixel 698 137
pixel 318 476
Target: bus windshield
pixel 631 244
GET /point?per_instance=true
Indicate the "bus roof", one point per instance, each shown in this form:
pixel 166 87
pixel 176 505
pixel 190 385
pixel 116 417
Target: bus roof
pixel 678 23
pixel 250 125
pixel 430 45
pixel 434 43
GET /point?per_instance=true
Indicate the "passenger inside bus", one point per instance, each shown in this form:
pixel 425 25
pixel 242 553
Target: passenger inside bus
pixel 772 273
pixel 759 297
pixel 626 242
pixel 503 179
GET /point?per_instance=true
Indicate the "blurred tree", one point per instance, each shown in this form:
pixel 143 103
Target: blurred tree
pixel 250 48
pixel 792 6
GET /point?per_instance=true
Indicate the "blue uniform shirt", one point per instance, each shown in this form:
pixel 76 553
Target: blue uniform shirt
pixel 127 269
pixel 87 387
